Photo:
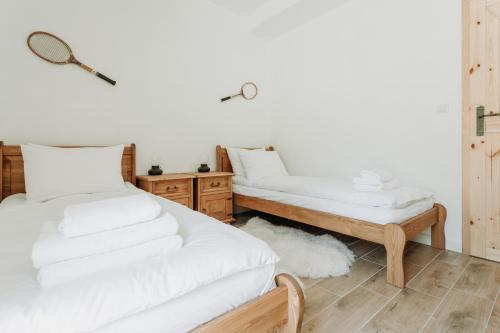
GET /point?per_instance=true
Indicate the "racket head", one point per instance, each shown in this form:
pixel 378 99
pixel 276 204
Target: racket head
pixel 50 48
pixel 249 90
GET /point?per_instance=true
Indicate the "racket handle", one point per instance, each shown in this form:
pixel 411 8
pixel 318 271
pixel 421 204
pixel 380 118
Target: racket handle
pixel 105 78
pixel 225 98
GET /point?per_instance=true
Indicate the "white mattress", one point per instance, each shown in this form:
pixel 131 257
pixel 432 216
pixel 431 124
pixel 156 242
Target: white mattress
pixel 377 215
pixel 206 242
pixel 200 306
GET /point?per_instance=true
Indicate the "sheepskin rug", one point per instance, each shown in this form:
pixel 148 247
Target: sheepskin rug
pixel 301 253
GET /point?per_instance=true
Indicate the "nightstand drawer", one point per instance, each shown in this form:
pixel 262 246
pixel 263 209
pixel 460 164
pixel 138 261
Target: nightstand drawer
pixel 215 184
pixel 172 187
pixel 182 201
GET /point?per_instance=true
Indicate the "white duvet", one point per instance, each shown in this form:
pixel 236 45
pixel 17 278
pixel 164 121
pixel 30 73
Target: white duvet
pixel 341 191
pixel 212 251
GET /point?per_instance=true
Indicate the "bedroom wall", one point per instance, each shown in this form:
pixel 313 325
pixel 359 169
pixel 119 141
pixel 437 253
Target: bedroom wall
pixel 173 60
pixel 344 84
pixel 374 84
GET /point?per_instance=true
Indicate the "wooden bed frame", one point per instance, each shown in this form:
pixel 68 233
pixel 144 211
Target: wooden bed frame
pixel 393 236
pixel 280 310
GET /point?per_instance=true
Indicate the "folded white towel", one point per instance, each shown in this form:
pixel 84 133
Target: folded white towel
pixel 376 175
pixel 98 216
pixel 53 247
pixel 361 185
pixel 55 274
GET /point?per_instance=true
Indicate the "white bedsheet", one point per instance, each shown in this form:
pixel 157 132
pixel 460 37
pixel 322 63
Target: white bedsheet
pixel 371 214
pixel 213 252
pixel 340 190
pixel 199 306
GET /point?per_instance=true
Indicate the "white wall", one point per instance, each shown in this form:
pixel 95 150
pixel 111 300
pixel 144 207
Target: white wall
pixel 355 83
pixel 173 60
pixel 358 87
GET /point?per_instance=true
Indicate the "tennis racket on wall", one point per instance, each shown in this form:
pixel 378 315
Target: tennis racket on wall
pixel 54 50
pixel 248 91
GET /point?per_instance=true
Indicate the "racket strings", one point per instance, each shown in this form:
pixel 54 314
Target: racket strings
pixel 49 47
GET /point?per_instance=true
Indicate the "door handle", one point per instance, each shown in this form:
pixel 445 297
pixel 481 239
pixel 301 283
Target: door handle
pixel 490 115
pixel 480 119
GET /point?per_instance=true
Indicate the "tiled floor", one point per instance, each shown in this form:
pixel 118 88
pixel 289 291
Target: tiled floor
pixel 446 292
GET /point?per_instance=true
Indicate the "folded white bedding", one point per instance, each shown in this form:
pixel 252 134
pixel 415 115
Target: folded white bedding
pixel 64 271
pixel 53 247
pixel 211 251
pixel 342 191
pixel 108 214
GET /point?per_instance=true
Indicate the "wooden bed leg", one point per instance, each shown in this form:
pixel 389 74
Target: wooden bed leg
pixel 295 304
pixel 437 231
pixel 395 242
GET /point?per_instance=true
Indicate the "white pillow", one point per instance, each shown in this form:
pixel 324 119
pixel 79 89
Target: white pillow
pixel 234 157
pixel 52 172
pixel 261 164
pixel 243 181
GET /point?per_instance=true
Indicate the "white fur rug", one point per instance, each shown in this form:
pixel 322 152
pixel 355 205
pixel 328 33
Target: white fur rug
pixel 302 253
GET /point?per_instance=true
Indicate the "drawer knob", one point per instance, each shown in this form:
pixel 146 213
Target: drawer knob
pixel 215 184
pixel 172 189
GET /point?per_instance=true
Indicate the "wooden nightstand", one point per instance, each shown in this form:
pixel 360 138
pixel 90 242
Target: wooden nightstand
pixel 177 187
pixel 213 195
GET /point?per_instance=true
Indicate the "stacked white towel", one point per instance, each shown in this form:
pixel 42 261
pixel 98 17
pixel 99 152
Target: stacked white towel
pixel 375 181
pixel 103 235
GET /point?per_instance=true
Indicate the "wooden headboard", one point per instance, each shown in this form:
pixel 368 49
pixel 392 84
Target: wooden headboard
pixel 223 162
pixel 12 168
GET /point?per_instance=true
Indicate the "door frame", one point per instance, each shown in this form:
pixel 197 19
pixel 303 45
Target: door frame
pixel 465 126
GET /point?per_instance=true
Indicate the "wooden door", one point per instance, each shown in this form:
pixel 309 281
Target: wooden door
pixel 481 144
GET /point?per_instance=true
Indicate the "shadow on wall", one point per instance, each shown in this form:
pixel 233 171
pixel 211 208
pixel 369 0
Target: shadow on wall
pixel 241 7
pixel 300 13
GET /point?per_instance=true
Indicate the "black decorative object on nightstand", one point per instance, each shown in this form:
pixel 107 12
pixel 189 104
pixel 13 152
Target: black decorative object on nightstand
pixel 155 170
pixel 204 168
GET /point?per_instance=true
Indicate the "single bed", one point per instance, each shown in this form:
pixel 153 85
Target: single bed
pixel 391 228
pixel 245 299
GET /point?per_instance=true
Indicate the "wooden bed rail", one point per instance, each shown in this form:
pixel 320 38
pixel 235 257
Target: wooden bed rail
pixel 280 310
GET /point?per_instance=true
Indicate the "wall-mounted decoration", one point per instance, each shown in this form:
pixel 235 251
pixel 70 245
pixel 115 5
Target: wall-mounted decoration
pixel 248 91
pixel 54 50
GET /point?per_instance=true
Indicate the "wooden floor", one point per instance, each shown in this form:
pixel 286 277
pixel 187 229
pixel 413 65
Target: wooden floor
pixel 446 292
